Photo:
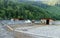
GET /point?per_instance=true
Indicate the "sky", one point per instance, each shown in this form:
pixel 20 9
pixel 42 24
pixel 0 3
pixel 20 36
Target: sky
pixel 43 0
pixel 49 2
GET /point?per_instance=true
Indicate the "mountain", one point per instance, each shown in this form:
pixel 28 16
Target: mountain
pixel 28 10
pixel 53 10
pixel 10 9
pixel 49 2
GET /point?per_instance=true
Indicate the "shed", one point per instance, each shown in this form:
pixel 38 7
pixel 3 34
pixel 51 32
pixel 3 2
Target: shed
pixel 47 21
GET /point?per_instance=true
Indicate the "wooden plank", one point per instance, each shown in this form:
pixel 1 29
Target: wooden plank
pixel 9 28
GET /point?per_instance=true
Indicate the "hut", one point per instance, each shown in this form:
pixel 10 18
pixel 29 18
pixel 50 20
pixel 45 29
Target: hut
pixel 47 21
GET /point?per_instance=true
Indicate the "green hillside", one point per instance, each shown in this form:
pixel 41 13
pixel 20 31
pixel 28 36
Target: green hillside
pixel 27 10
pixel 9 9
pixel 53 10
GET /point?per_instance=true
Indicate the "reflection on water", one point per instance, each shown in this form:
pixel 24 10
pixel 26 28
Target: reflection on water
pixel 24 21
pixel 56 22
pixel 12 22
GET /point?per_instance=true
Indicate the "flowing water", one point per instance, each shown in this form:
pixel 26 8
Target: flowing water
pixel 4 33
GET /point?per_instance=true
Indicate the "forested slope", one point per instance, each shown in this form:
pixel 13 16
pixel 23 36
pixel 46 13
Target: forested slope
pixel 27 10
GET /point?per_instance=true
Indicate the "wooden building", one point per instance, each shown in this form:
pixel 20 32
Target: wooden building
pixel 47 21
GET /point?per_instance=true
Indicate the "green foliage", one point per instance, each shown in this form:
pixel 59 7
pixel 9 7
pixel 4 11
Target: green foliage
pixel 10 9
pixel 55 12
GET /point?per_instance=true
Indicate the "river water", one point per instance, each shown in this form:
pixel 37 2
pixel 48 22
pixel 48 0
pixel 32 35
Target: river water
pixel 6 34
